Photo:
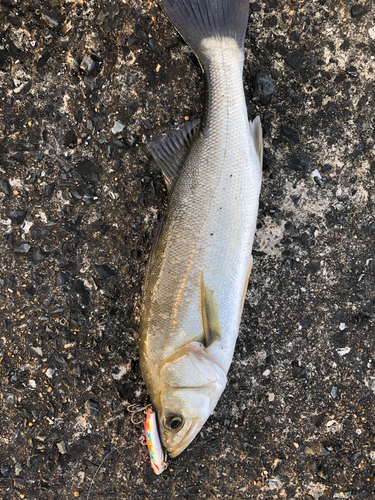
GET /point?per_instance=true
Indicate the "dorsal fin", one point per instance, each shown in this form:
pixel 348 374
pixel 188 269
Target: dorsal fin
pixel 257 134
pixel 210 315
pixel 171 149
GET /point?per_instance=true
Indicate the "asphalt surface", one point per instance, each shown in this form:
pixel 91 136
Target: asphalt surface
pixel 83 87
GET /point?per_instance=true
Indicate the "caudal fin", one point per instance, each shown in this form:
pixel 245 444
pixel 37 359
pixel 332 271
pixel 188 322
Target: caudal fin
pixel 199 19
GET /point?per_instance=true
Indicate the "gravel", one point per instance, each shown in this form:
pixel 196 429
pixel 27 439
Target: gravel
pixel 83 88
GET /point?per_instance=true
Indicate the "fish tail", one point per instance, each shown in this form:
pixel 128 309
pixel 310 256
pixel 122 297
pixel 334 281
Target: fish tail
pixel 196 20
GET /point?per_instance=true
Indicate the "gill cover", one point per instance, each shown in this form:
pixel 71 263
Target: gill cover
pixel 191 385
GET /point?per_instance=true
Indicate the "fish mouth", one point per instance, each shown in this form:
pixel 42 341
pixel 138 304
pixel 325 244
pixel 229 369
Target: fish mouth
pixel 174 451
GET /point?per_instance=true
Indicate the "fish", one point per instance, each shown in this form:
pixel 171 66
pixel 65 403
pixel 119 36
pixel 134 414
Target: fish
pixel 202 257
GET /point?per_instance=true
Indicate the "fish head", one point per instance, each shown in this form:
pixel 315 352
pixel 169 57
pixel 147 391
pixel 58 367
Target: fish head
pixel 191 384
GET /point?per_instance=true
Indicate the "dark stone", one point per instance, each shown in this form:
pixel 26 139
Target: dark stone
pixel 24 248
pixel 105 271
pixel 366 314
pixel 19 482
pixel 154 46
pixel 29 292
pixel 192 490
pixel 270 22
pixel 264 88
pixel 6 187
pixel 4 470
pixel 132 41
pixel 339 314
pixel 319 420
pixel 363 494
pixel 79 288
pixel 125 51
pixel 281 109
pixel 38 255
pixel 326 167
pixel 300 161
pixel 15 20
pixel 99 226
pixel 88 170
pixel 42 61
pixel 70 139
pixel 290 134
pixel 53 19
pixel 296 99
pixel 18 157
pixel 90 84
pixel 62 278
pixel 255 7
pixel 313 266
pixel 271 4
pixel 41 233
pixel 358 11
pixel 48 190
pixel 91 407
pixel 340 78
pixel 340 339
pixel 358 150
pixel 372 168
pixel 295 59
pixel 352 71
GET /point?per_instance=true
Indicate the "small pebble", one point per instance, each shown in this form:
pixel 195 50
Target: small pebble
pixel 291 134
pixel 88 64
pixel 264 88
pixel 117 128
pixel 358 10
pixel 343 351
pixel 50 372
pixel 52 19
pixel 62 447
pixel 4 470
pixel 19 482
pixel 6 187
pixel 18 469
pixel 295 59
pixel 91 407
pixel 322 451
pixel 105 271
pixel 17 216
pixel 24 248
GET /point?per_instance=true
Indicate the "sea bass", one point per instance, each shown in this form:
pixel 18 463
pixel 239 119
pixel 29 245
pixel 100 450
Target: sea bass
pixel 197 280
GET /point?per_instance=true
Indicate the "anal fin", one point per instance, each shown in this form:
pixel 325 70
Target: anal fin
pixel 210 315
pixel 256 132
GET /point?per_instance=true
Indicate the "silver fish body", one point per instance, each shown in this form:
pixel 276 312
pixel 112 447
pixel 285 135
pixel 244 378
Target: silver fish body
pixel 199 272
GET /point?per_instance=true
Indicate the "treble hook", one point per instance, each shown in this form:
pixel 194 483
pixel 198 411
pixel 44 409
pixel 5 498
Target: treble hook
pixel 137 409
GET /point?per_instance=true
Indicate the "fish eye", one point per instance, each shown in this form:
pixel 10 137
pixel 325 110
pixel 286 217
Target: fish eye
pixel 174 422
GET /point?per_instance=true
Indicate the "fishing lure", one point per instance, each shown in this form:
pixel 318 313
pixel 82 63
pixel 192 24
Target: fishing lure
pixel 155 449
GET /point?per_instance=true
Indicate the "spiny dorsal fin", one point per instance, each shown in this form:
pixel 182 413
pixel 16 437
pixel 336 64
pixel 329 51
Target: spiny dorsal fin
pixel 257 133
pixel 171 149
pixel 210 315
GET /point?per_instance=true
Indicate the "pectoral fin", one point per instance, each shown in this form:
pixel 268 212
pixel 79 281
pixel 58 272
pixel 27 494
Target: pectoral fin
pixel 171 149
pixel 210 315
